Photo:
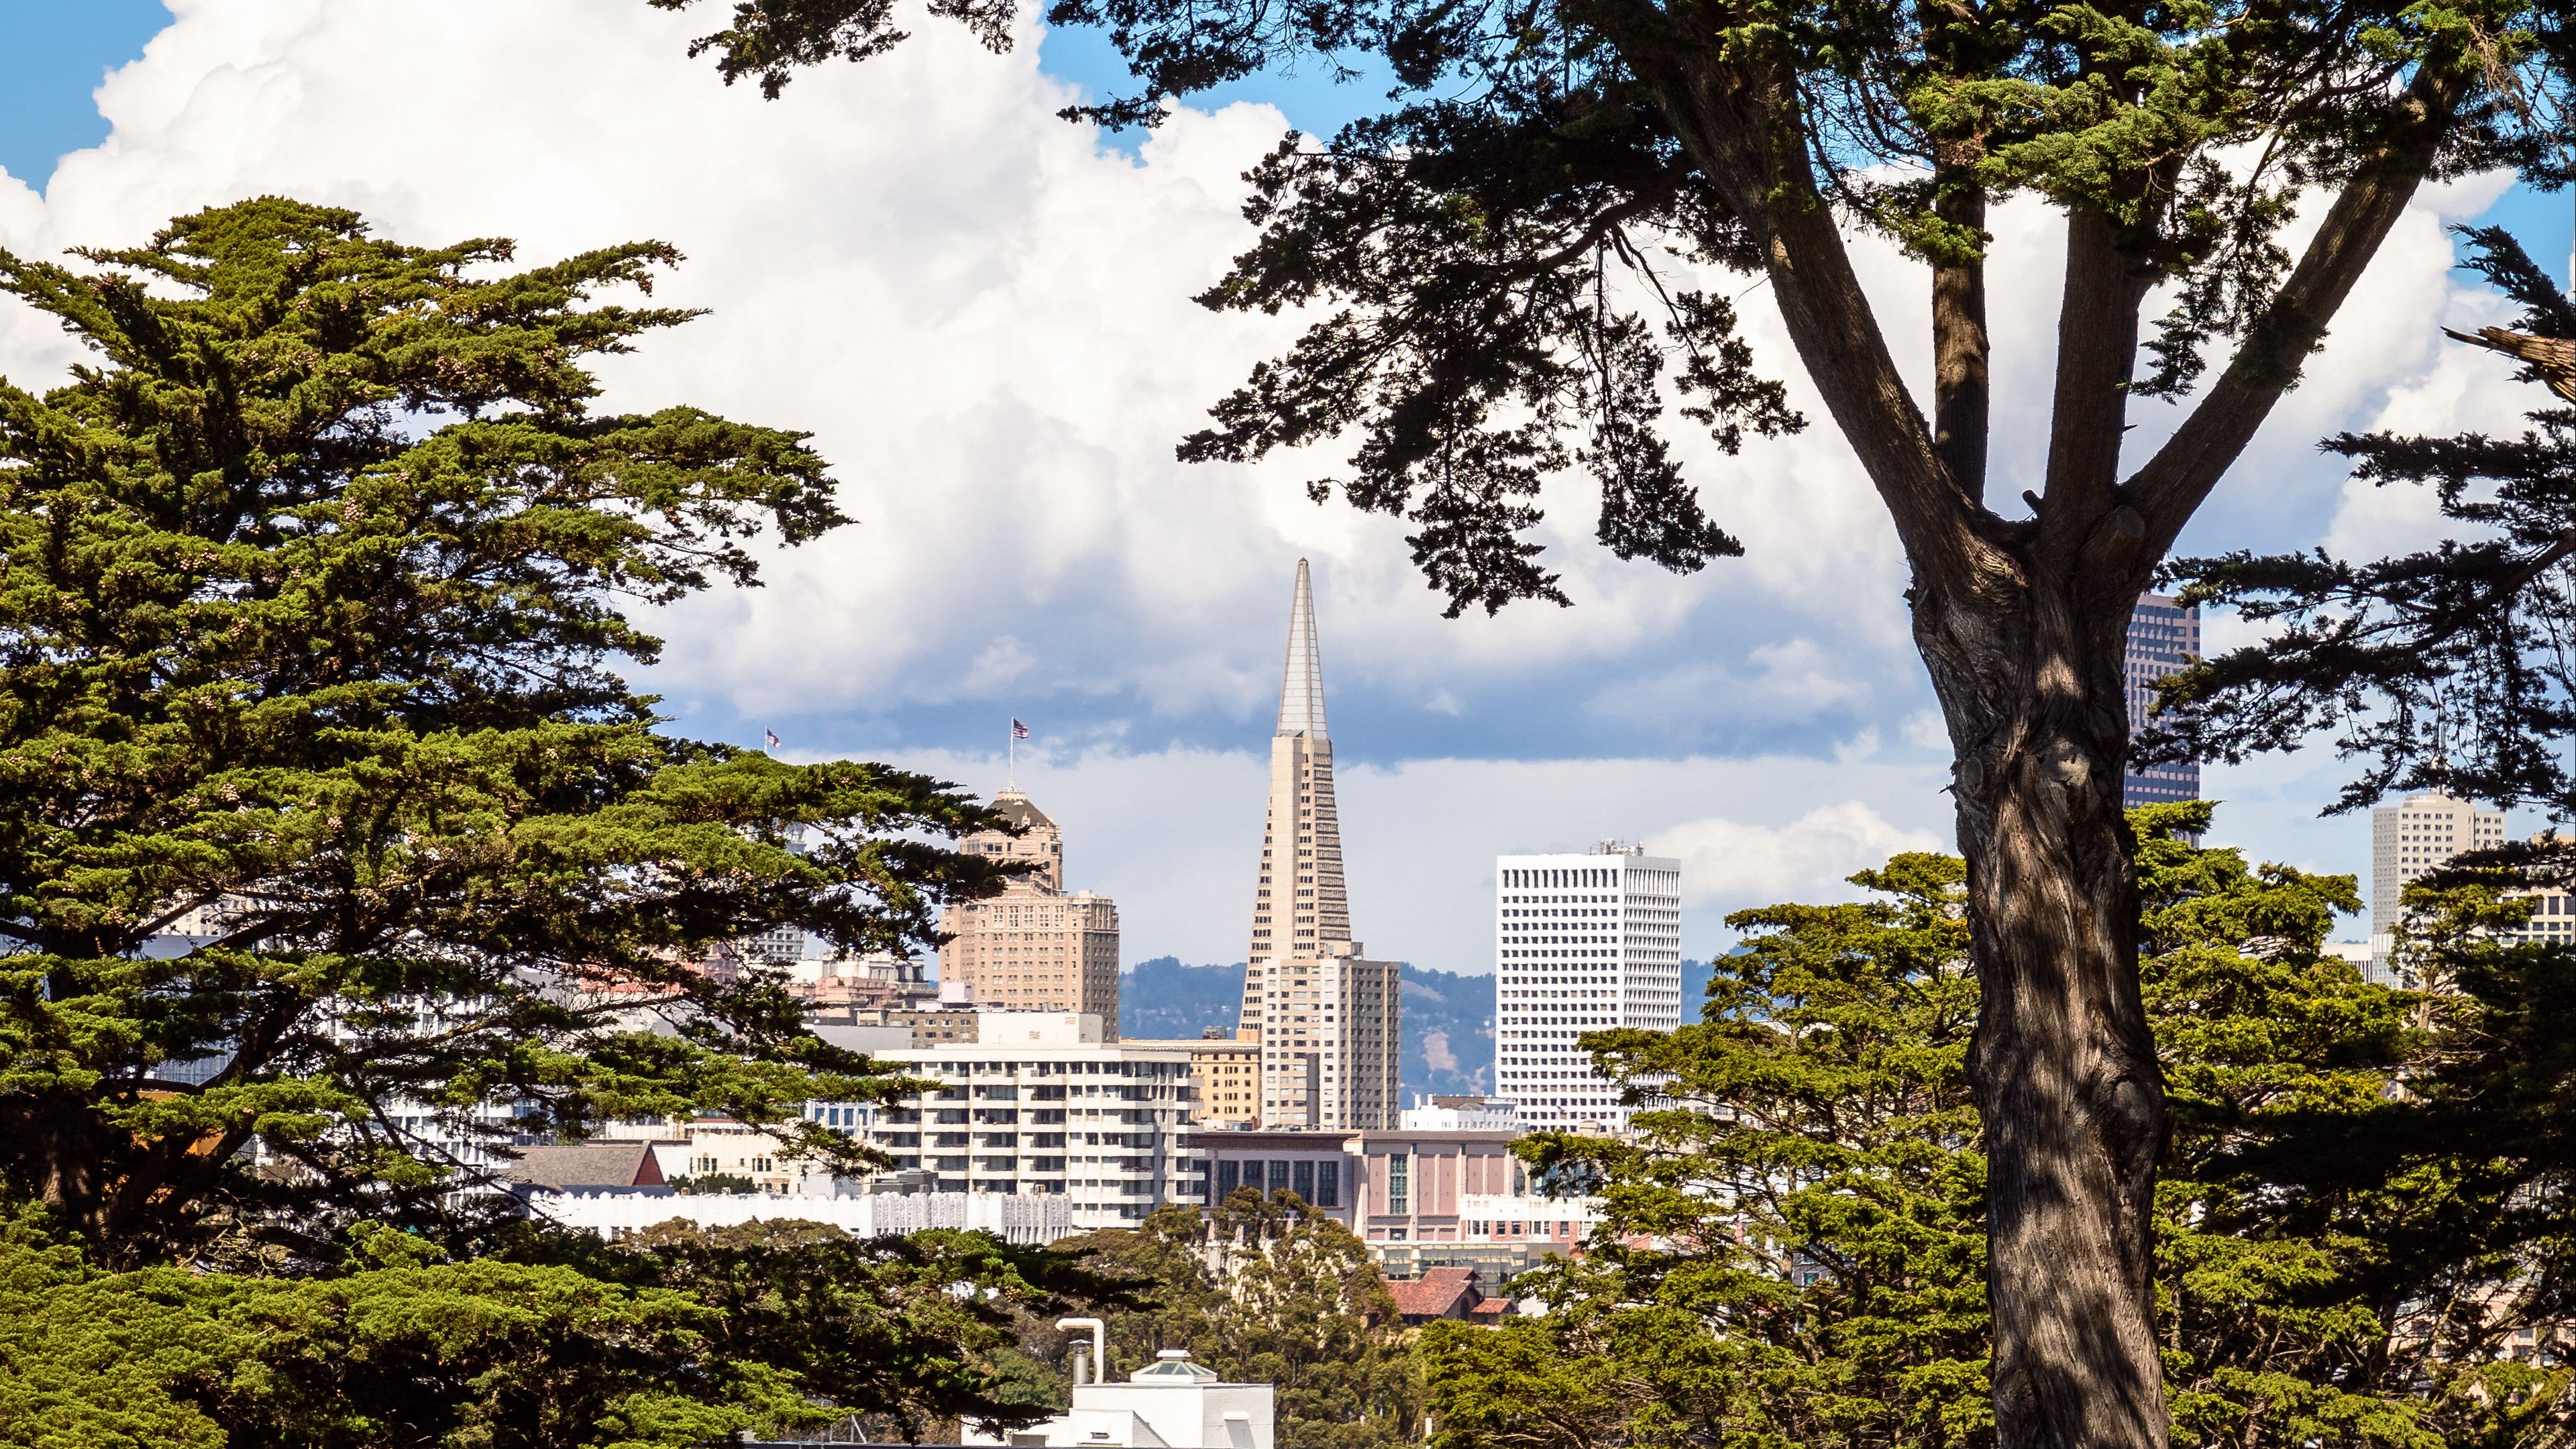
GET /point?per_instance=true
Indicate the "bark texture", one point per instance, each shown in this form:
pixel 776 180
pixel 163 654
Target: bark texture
pixel 2029 677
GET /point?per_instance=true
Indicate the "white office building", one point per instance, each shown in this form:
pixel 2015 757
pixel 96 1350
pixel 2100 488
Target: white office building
pixel 1583 943
pixel 2406 840
pixel 1040 1105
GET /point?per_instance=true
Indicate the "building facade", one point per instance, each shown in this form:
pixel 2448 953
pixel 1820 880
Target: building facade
pixel 1033 947
pixel 1225 1075
pixel 2409 838
pixel 1042 1105
pixel 2163 637
pixel 1583 943
pixel 1397 1188
pixel 1328 1019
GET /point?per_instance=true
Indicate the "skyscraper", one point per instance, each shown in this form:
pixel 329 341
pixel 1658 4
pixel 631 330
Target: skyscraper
pixel 1033 947
pixel 1582 943
pixel 1328 1017
pixel 2163 637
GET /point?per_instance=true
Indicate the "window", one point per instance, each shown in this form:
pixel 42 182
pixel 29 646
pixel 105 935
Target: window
pixel 1279 1176
pixel 1303 1182
pixel 1328 1185
pixel 1399 1184
pixel 1229 1176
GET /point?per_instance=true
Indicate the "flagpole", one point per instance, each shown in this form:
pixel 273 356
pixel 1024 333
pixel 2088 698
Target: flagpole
pixel 1012 750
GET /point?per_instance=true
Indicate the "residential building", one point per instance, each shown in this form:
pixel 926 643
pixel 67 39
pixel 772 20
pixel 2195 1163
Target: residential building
pixel 839 986
pixel 588 1167
pixel 923 1025
pixel 2409 838
pixel 708 1147
pixel 1445 1292
pixel 1328 1019
pixel 1033 947
pixel 1043 1105
pixel 1225 1075
pixel 2164 636
pixel 1583 943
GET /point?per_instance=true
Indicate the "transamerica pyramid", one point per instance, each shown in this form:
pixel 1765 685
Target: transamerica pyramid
pixel 1327 1020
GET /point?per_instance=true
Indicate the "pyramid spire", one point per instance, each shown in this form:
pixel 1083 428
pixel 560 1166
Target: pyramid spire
pixel 1301 685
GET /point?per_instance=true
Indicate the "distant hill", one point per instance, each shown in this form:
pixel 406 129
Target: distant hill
pixel 1448 1015
pixel 1164 999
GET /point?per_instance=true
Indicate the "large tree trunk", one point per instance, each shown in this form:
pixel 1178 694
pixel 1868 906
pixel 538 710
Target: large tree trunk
pixel 2064 1067
pixel 2022 623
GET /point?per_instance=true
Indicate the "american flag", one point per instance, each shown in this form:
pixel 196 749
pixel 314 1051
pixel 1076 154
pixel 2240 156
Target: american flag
pixel 1019 731
pixel 771 736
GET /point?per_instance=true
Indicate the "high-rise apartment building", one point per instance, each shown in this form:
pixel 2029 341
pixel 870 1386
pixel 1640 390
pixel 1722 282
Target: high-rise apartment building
pixel 1033 947
pixel 2163 637
pixel 1041 1105
pixel 2411 837
pixel 1582 943
pixel 1328 1017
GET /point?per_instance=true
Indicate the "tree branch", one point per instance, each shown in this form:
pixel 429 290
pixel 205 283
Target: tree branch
pixel 1741 123
pixel 2097 346
pixel 1961 396
pixel 2172 484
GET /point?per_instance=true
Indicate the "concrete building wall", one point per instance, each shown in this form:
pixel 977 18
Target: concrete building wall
pixel 2409 838
pixel 1583 943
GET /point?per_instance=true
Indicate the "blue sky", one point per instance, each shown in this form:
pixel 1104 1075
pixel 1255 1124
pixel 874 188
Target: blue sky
pixel 983 319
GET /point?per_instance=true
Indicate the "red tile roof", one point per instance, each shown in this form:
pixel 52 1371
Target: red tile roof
pixel 1438 1293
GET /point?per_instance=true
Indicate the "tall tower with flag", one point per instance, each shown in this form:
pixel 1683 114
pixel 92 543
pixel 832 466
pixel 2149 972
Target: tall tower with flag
pixel 1328 1019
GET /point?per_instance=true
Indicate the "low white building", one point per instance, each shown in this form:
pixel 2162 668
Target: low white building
pixel 1031 1221
pixel 1170 1403
pixel 1461 1114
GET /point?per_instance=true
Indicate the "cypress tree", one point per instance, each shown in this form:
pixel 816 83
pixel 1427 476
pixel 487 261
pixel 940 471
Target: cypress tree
pixel 314 592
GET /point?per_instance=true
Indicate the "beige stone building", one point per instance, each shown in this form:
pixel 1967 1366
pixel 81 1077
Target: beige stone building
pixel 1225 1073
pixel 2407 839
pixel 1033 947
pixel 1327 1017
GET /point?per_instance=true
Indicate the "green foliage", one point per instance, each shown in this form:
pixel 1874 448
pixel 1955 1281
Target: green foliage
pixel 1793 1246
pixel 679 1339
pixel 310 608
pixel 1811 1177
pixel 1265 1291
